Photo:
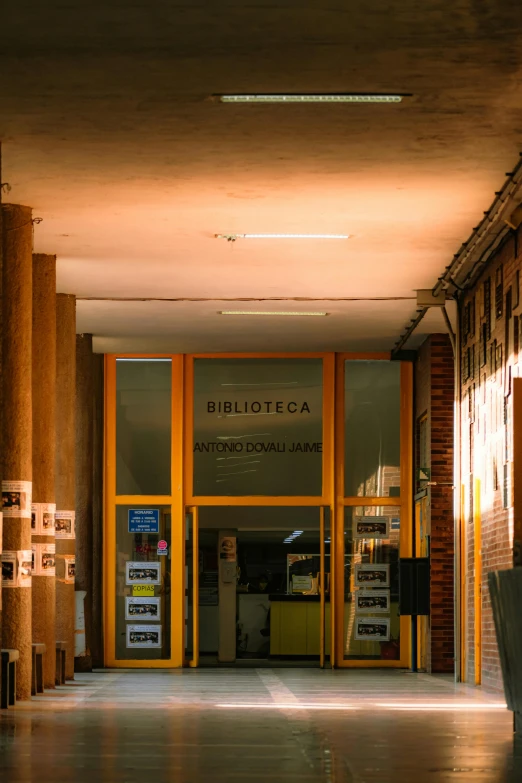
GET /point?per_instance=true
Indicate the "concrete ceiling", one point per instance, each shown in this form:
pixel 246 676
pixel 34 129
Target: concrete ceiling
pixel 109 134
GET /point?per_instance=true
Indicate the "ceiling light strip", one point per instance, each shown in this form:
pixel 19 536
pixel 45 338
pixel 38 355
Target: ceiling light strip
pixel 233 237
pixel 313 98
pixel 271 312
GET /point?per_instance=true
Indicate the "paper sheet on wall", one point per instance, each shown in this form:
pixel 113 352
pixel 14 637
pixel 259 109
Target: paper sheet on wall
pixel 65 524
pixel 16 499
pixel 43 519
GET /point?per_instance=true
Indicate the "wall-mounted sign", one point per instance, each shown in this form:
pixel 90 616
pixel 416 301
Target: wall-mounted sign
pixel 142 608
pixel 372 575
pixel 144 636
pixel 372 628
pixel 144 520
pixel 371 527
pixel 143 590
pixel 143 572
pixel 372 601
pixel 227 549
pixel 163 547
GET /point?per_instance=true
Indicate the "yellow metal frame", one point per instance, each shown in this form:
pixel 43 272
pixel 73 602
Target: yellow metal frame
pixel 174 500
pixel 182 498
pixel 477 597
pixel 404 502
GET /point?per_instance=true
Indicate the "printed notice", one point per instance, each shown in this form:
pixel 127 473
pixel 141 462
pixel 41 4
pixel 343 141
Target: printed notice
pixel 144 636
pixel 143 520
pixel 227 549
pixel 70 570
pixel 372 601
pixel 16 499
pixel 143 572
pixel 42 519
pixel 9 569
pixel 372 575
pixel 142 608
pixel 65 524
pixel 25 567
pixel 44 559
pixel 372 629
pixel 371 527
pixel 138 590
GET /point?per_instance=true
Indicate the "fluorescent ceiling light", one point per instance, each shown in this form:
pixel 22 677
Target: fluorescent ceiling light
pixel 233 237
pixel 269 312
pixel 315 98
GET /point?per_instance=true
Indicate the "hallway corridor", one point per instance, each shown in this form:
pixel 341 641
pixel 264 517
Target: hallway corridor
pixel 259 725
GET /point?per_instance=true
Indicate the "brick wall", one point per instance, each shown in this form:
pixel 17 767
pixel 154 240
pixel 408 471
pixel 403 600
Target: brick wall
pixel 434 399
pixel 491 320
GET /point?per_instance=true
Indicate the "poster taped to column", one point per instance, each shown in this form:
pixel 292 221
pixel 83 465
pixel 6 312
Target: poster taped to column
pixel 42 519
pixel 25 567
pixel 16 499
pixel 44 559
pixel 144 636
pixel 65 524
pixel 143 572
pixel 142 608
pixel 70 570
pixel 9 569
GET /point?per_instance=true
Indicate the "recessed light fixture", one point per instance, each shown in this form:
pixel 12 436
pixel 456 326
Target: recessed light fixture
pixel 313 98
pixel 271 312
pixel 233 237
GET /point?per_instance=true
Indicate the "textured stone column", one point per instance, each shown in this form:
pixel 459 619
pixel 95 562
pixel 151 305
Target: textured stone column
pixel 65 472
pixel 17 435
pixel 84 500
pixel 44 459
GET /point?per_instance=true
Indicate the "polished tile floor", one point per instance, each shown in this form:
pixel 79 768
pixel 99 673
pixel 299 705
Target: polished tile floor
pixel 259 726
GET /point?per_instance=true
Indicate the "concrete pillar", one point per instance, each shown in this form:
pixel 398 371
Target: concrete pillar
pixel 84 500
pixel 97 575
pixel 227 565
pixel 65 473
pixel 44 458
pixel 17 437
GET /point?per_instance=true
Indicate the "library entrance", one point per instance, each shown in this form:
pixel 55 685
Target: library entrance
pixel 257 507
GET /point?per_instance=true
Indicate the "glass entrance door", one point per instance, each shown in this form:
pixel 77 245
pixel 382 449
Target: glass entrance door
pixel 258 585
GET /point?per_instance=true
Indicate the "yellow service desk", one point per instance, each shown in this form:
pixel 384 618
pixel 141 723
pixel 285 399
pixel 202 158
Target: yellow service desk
pixel 295 627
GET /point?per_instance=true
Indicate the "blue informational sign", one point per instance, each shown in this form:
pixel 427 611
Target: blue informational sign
pixel 144 520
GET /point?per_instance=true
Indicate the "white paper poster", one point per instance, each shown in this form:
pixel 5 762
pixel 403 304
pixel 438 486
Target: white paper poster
pixel 372 629
pixel 16 499
pixel 144 636
pixel 65 524
pixel 70 569
pixel 143 573
pixel 44 559
pixel 9 569
pixel 371 527
pixel 372 575
pixel 142 608
pixel 372 601
pixel 42 519
pixel 25 567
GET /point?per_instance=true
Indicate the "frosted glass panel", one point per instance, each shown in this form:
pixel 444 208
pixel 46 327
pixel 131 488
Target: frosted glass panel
pixel 372 428
pixel 258 426
pixel 143 426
